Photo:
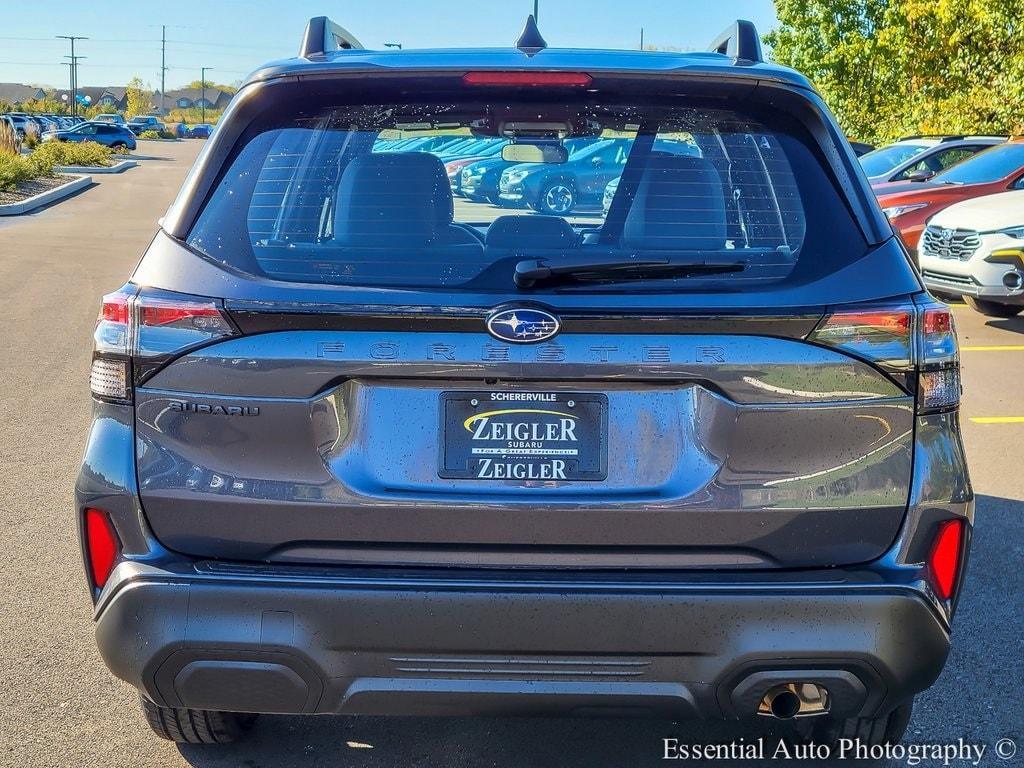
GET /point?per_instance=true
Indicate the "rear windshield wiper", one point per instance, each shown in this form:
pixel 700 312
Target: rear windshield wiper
pixel 530 272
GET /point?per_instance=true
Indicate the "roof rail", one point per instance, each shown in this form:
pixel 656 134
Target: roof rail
pixel 323 36
pixel 739 41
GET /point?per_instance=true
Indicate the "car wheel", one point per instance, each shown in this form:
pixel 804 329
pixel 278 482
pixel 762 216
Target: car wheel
pixel 869 731
pixel 196 726
pixel 557 199
pixel 993 308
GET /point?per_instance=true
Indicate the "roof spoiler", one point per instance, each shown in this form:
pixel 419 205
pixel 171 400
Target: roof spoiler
pixel 739 41
pixel 323 36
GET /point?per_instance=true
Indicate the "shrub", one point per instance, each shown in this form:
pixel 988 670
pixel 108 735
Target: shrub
pixel 10 144
pixel 17 168
pixel 53 153
pixel 31 136
pixel 161 134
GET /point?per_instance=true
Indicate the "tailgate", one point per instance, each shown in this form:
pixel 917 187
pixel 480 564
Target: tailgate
pixel 696 450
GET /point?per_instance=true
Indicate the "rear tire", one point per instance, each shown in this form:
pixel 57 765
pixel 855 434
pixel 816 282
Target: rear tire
pixel 196 726
pixel 993 308
pixel 118 145
pixel 869 731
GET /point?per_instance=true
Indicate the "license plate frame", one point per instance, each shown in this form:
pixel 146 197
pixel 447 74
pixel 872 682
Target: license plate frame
pixel 575 422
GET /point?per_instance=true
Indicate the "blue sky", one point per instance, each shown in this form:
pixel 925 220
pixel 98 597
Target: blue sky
pixel 235 36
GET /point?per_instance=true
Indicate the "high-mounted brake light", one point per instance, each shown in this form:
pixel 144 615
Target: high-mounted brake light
pixel 102 546
pixel 570 79
pixel 944 560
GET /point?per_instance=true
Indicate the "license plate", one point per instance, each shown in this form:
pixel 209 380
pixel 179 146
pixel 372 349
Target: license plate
pixel 522 436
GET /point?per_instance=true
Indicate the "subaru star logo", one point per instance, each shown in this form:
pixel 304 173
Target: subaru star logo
pixel 522 325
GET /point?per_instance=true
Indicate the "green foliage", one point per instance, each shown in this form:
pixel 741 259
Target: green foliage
pixel 893 67
pixel 194 115
pixel 153 134
pixel 15 169
pixel 210 84
pixel 99 109
pixel 49 105
pixel 52 153
pixel 137 99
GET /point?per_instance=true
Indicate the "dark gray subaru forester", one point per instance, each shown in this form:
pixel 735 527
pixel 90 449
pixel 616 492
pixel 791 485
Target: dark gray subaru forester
pixel 362 445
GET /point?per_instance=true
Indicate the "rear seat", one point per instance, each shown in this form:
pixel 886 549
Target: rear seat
pixel 400 200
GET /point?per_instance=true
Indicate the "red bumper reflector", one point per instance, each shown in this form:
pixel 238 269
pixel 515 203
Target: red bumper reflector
pixel 944 561
pixel 102 545
pixel 572 79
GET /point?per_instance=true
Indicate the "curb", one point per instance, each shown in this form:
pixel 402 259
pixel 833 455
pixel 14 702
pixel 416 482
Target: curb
pixel 138 139
pixel 120 167
pixel 45 198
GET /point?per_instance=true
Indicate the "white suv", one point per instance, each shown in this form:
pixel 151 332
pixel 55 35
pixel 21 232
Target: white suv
pixel 975 249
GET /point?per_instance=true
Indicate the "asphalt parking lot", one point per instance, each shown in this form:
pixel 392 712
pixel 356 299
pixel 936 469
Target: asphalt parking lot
pixel 60 707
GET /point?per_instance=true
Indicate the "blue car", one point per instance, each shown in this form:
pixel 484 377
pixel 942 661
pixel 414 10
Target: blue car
pixel 200 131
pixel 479 180
pixel 107 134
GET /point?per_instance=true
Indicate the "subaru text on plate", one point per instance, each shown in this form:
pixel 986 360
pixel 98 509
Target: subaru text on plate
pixel 360 448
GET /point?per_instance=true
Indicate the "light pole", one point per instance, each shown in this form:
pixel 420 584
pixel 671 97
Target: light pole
pixel 536 10
pixel 202 84
pixel 71 85
pixel 74 75
pixel 74 69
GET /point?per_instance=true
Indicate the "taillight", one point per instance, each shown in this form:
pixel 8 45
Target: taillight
pixel 883 336
pixel 102 546
pixel 136 334
pixel 938 379
pixel 904 339
pixel 110 377
pixel 944 560
pixel 570 79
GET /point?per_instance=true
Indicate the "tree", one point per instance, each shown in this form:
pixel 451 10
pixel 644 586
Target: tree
pixel 197 84
pixel 137 99
pixel 892 67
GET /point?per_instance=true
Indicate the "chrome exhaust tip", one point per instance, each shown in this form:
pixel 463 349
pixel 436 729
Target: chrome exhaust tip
pixel 790 700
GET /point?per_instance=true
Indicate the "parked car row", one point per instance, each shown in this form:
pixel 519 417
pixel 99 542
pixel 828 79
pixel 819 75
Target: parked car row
pixel 957 203
pixel 43 124
pixel 585 182
pixel 25 123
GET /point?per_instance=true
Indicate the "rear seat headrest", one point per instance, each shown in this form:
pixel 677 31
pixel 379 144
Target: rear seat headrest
pixel 513 232
pixel 679 205
pixel 393 198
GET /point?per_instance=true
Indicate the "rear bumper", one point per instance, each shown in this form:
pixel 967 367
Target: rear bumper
pixel 250 640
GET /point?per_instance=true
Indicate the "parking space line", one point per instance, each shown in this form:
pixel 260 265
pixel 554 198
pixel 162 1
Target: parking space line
pixel 995 348
pixel 997 419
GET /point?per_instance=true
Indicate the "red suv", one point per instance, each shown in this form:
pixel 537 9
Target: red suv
pixel 909 205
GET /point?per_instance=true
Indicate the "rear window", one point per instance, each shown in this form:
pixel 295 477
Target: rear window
pixel 990 165
pixel 427 195
pixel 885 159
